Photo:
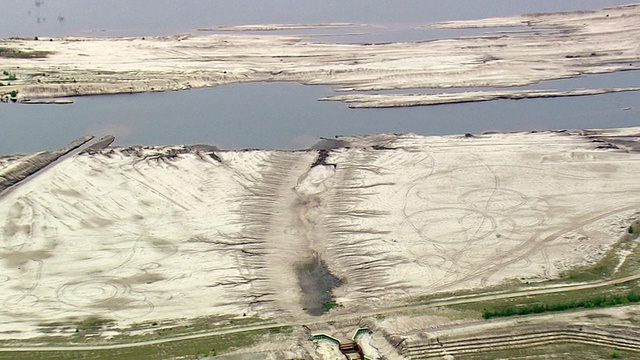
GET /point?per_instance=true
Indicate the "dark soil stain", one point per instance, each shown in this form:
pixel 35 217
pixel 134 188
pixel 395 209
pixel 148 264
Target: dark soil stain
pixel 316 283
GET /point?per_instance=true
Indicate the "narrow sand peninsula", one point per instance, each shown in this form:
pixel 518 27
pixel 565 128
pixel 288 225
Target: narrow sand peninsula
pixel 166 233
pixel 404 100
pixel 554 46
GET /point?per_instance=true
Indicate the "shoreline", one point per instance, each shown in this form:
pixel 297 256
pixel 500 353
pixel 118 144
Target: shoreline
pixel 553 49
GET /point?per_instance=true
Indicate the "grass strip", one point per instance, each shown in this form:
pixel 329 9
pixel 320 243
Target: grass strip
pixel 9 53
pixel 601 301
pixel 183 349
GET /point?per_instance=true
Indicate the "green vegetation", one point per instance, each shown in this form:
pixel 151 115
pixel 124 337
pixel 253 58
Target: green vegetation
pixel 615 354
pixel 10 53
pixel 594 302
pixel 84 330
pixel 189 349
pixel 93 324
pixel 326 307
pixel 604 269
pixel 476 309
pixel 611 295
pixel 9 76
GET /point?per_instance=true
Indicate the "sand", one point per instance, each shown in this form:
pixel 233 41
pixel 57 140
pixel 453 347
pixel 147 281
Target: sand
pixel 552 46
pixel 164 233
pixel 405 100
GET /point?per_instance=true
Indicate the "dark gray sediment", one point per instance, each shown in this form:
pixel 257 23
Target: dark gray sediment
pixel 100 144
pixel 316 283
pixel 29 165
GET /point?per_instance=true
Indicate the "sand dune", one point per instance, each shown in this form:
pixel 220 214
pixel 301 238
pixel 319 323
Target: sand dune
pixel 149 234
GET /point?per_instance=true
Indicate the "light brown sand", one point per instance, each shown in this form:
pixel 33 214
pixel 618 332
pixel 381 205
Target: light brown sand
pixel 554 46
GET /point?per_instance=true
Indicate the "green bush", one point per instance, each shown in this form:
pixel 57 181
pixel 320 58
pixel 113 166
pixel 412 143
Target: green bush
pixel 22 54
pixel 330 305
pixel 595 302
pixel 615 354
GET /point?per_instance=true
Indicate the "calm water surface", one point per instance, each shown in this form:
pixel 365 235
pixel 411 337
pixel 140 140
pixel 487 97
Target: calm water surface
pixel 167 17
pixel 287 116
pixel 283 115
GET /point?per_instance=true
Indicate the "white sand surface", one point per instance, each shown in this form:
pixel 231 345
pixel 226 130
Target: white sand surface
pixel 151 234
pixel 404 100
pixel 555 46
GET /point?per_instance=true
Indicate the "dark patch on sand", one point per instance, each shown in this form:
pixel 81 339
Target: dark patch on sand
pixel 317 284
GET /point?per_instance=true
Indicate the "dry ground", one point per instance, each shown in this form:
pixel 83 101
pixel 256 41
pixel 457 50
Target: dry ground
pixel 548 46
pixel 160 234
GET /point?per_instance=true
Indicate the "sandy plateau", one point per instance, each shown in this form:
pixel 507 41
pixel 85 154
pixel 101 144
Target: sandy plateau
pixel 158 233
pixel 549 46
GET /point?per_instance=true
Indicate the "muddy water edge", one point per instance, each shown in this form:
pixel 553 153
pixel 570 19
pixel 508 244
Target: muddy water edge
pixel 317 284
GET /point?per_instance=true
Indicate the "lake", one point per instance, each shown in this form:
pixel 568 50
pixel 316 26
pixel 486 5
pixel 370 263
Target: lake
pixel 167 17
pixel 288 116
pixel 283 115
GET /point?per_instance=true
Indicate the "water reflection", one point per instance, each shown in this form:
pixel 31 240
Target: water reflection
pixel 284 115
pixel 167 17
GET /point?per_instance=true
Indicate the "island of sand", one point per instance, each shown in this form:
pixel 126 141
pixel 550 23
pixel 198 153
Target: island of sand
pixel 542 47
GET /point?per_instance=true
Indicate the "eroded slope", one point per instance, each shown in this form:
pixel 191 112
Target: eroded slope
pixel 148 234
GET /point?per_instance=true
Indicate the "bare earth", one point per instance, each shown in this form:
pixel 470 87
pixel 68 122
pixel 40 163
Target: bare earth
pixel 146 235
pixel 151 234
pixel 552 46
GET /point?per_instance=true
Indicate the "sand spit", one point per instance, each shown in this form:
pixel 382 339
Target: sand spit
pixel 275 27
pixel 532 20
pixel 47 101
pixel 13 172
pixel 559 46
pixel 148 234
pixel 404 100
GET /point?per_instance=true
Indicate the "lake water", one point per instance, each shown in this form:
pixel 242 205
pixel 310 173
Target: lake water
pixel 283 115
pixel 288 116
pixel 167 17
